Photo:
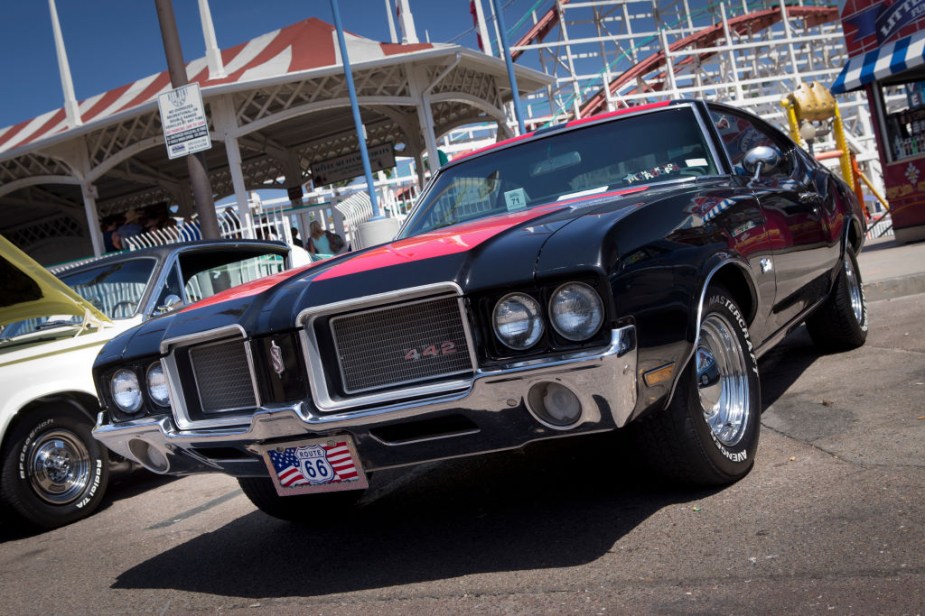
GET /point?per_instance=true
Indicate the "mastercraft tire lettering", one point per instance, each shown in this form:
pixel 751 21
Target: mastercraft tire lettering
pixel 708 435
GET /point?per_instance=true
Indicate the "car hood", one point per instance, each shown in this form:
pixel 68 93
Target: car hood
pixel 497 252
pixel 28 290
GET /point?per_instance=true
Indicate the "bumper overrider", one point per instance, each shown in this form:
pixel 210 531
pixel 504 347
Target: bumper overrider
pixel 501 409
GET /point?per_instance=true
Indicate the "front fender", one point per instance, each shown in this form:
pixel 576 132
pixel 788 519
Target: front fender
pixel 733 273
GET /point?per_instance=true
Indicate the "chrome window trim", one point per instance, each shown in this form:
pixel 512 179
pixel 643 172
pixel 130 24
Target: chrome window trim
pixel 169 348
pixel 324 400
pixel 719 158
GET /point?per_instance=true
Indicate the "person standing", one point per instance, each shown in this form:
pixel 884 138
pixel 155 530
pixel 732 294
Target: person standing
pixel 318 242
pixel 133 225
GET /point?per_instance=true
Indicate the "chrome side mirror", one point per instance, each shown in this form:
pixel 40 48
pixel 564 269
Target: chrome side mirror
pixel 761 160
pixel 170 302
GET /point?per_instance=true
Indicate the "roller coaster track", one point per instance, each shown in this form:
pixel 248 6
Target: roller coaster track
pixel 538 32
pixel 708 37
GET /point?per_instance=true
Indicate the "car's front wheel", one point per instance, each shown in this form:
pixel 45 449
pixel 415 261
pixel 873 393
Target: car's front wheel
pixel 708 435
pixel 299 508
pixel 54 471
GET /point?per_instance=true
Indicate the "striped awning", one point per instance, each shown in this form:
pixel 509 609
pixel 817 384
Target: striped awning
pixel 902 55
pixel 305 46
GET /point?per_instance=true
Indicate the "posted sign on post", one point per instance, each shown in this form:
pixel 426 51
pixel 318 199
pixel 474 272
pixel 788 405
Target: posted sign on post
pixel 186 129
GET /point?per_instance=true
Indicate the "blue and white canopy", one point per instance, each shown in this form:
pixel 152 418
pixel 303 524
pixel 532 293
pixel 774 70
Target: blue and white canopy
pixel 902 55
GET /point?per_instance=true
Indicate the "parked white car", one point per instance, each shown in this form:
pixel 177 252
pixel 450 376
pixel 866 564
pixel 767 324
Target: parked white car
pixel 51 329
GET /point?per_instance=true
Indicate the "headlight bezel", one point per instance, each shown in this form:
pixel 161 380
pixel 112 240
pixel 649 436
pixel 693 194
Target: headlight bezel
pixel 138 404
pixel 538 320
pixel 590 292
pixel 493 352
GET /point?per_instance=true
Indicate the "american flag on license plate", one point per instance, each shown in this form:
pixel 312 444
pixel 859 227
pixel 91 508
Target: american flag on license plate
pixel 286 465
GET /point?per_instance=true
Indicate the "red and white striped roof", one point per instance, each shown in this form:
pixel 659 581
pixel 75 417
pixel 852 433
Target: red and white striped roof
pixel 309 44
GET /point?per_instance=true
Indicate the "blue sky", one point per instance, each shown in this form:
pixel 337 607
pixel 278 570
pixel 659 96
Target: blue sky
pixel 113 42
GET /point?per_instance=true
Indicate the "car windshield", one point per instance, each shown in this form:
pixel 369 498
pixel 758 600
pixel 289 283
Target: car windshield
pixel 659 146
pixel 115 288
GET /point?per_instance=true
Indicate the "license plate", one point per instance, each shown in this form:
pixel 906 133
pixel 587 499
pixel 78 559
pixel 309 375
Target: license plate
pixel 316 465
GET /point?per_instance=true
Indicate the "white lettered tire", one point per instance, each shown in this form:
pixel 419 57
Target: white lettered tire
pixel 708 434
pixel 54 472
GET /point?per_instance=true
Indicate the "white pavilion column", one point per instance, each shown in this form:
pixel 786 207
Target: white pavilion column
pixel 80 157
pixel 419 84
pixel 226 125
pixel 88 190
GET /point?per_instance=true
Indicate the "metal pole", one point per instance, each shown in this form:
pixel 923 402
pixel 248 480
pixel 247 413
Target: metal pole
pixel 70 100
pixel 213 53
pixel 483 28
pixel 388 12
pixel 506 50
pixel 355 107
pixel 196 163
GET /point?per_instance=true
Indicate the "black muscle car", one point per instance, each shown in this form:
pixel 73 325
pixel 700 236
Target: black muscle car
pixel 620 271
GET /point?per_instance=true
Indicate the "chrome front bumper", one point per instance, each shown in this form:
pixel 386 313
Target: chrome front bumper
pixel 495 405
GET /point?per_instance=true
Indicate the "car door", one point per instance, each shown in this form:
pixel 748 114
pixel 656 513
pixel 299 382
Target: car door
pixel 797 228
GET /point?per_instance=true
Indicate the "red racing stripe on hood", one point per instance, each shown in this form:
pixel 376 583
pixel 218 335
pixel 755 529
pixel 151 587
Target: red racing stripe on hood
pixel 439 243
pixel 249 288
pixel 452 240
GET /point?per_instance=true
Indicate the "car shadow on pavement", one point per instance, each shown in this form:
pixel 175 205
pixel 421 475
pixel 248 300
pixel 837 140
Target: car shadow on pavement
pixel 556 504
pixel 784 364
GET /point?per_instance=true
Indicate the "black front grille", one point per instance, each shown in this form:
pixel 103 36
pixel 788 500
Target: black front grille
pixel 396 345
pixel 223 376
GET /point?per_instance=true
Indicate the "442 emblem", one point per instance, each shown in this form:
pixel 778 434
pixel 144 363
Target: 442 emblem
pixel 425 351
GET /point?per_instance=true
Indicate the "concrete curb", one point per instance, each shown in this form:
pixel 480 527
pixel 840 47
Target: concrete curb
pixel 891 288
pixel 890 270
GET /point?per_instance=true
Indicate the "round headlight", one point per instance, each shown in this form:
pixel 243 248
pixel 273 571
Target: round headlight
pixel 125 391
pixel 517 322
pixel 157 384
pixel 576 311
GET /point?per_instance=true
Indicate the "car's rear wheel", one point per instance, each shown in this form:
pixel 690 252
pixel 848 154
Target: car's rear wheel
pixel 840 323
pixel 54 471
pixel 708 435
pixel 299 508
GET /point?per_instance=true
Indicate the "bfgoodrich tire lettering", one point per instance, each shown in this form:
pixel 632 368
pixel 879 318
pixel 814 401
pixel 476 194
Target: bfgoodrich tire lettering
pixel 708 435
pixel 54 471
pixel 840 323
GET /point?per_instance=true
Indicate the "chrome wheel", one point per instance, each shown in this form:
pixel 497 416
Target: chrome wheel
pixel 854 290
pixel 722 380
pixel 58 467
